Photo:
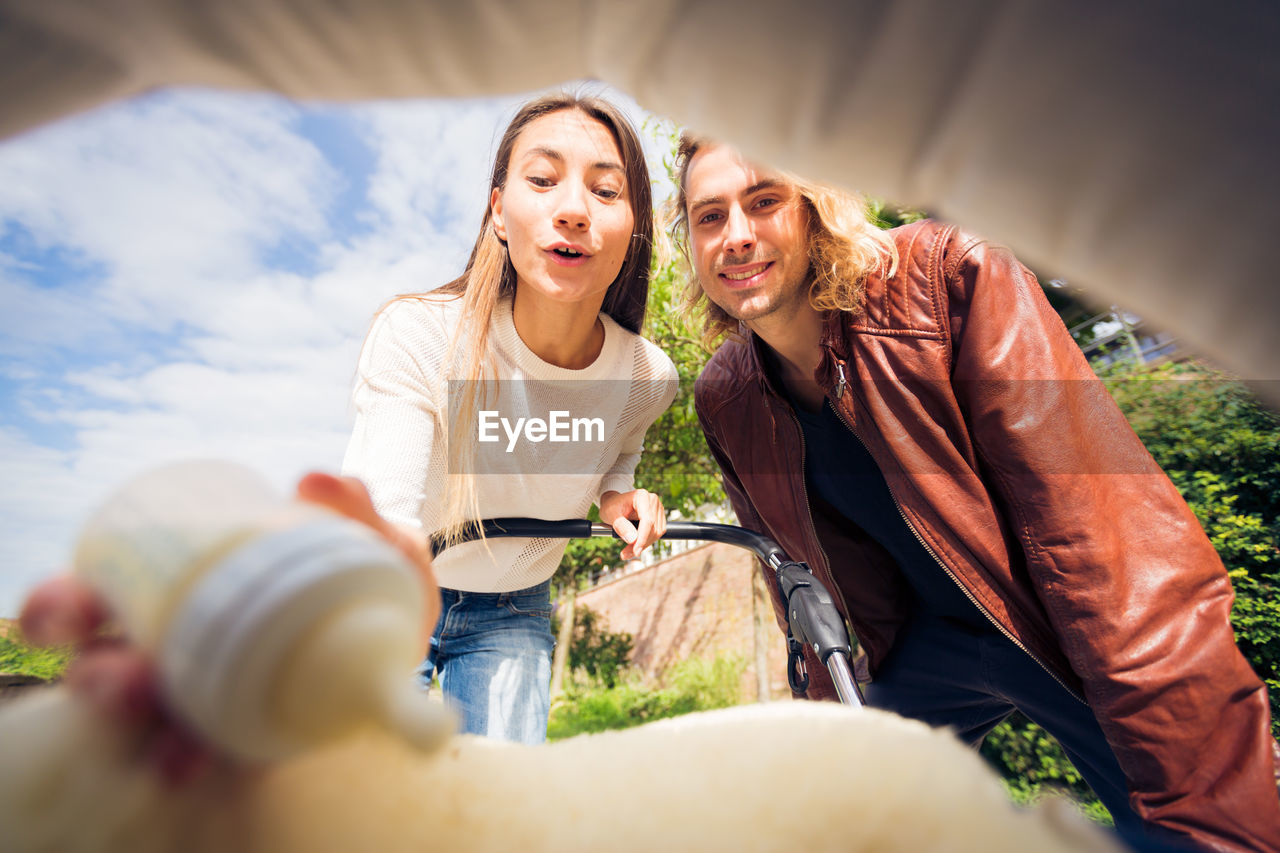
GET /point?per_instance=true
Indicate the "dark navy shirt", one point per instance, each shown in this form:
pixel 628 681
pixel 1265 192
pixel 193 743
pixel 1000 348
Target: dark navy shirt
pixel 838 468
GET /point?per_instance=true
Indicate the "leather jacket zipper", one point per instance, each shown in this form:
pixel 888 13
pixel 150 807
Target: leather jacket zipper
pixel 898 506
pixel 829 580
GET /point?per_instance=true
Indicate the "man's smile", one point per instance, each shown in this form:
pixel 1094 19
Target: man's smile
pixel 741 276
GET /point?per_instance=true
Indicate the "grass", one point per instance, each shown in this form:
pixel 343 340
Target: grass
pixel 17 658
pixel 691 685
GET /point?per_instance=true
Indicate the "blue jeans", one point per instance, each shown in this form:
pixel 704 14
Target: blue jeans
pixel 493 653
pixel 948 675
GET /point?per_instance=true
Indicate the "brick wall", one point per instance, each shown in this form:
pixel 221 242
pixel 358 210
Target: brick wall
pixel 695 604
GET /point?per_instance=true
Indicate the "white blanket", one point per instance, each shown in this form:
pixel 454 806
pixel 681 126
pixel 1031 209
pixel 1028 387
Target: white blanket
pixel 781 777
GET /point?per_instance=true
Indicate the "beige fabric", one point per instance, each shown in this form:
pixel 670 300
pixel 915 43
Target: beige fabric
pixel 1131 152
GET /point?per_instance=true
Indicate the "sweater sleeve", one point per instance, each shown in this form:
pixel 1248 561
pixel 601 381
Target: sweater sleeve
pixel 398 402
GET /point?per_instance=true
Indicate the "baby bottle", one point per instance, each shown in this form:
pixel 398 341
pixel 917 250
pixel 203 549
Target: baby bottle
pixel 276 624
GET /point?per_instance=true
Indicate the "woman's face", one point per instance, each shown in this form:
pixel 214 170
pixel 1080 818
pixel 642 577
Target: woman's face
pixel 565 211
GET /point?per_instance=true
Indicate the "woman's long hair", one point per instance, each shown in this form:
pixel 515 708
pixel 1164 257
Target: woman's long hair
pixel 844 247
pixel 489 276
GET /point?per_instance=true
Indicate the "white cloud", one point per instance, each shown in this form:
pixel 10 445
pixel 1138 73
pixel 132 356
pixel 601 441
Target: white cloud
pixel 41 505
pixel 169 190
pixel 38 319
pixel 433 166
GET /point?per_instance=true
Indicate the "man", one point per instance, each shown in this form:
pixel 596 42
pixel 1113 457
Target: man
pixel 903 411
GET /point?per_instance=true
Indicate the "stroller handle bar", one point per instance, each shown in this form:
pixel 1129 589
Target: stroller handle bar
pixel 762 546
pixel 812 617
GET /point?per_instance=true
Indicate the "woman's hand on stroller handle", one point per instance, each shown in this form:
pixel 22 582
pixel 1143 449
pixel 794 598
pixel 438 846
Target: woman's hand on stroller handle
pixel 620 509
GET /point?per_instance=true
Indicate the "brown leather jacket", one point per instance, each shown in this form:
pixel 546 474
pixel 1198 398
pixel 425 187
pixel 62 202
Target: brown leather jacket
pixel 1018 473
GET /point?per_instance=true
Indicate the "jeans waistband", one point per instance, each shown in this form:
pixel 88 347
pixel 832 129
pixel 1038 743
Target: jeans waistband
pixel 542 590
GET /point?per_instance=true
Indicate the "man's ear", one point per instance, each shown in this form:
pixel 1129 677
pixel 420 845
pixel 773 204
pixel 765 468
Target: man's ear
pixel 495 214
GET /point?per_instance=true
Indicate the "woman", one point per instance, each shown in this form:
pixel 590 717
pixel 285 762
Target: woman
pixel 541 328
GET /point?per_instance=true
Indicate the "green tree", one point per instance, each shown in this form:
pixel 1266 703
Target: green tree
pixel 677 463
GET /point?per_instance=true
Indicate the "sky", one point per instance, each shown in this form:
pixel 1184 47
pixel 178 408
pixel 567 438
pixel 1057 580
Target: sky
pixel 190 274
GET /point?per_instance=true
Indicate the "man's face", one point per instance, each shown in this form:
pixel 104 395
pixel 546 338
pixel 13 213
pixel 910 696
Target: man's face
pixel 748 232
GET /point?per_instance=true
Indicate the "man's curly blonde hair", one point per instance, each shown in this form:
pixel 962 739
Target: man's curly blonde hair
pixel 844 246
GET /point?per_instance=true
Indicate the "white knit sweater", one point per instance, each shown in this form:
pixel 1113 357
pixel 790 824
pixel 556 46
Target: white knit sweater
pixel 398 447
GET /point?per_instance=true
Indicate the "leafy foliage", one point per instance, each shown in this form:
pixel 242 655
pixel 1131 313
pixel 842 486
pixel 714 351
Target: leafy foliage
pixel 584 558
pixel 884 214
pixel 676 463
pixel 691 685
pixel 1032 764
pixel 17 658
pixel 595 651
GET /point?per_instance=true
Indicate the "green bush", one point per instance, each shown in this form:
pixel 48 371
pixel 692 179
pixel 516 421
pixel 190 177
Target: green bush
pixel 716 682
pixel 691 685
pixel 595 652
pixel 1032 764
pixel 17 658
